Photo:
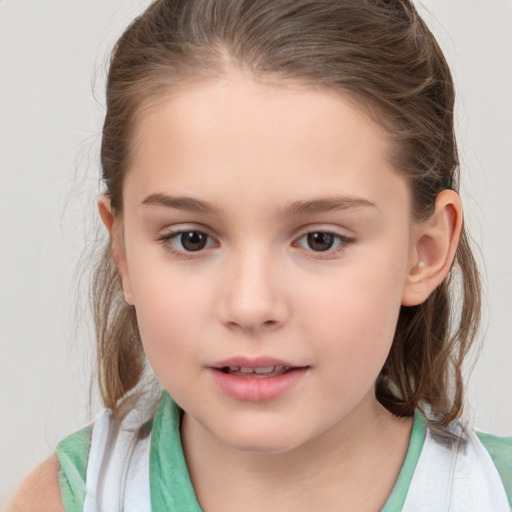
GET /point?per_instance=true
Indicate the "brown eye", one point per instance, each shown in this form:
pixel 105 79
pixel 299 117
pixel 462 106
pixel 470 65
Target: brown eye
pixel 320 241
pixel 186 243
pixel 193 240
pixel 325 244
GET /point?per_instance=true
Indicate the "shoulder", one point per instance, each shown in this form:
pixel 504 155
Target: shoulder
pixel 61 482
pixel 58 483
pixel 500 450
pixel 73 456
pixel 456 468
pixel 40 490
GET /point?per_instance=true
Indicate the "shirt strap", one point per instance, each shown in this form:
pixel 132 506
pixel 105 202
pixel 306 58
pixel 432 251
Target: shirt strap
pixel 73 454
pixel 500 450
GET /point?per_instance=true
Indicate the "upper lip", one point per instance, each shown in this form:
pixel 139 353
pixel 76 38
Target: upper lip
pixel 247 362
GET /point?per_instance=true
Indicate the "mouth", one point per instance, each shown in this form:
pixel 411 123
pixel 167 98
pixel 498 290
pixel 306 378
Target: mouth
pixel 256 373
pixel 257 380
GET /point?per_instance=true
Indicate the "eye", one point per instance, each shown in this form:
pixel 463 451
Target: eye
pixel 186 241
pixel 323 241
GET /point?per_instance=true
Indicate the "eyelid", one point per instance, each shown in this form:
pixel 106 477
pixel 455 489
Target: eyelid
pixel 167 235
pixel 345 242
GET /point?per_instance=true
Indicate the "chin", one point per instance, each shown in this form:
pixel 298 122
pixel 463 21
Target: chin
pixel 262 447
pixel 262 441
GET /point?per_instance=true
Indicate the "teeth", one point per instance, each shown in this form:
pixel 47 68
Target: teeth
pixel 262 372
pixel 267 369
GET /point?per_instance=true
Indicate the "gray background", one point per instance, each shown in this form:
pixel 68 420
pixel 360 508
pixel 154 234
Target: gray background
pixel 52 58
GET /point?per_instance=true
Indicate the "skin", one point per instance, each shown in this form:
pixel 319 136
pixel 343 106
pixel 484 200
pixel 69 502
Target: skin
pixel 39 491
pixel 258 288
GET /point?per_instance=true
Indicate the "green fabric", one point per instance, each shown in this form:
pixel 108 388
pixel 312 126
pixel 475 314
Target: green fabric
pixel 73 454
pixel 170 485
pixel 171 488
pixel 397 497
pixel 500 450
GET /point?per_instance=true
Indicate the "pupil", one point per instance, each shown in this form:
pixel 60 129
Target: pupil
pixel 320 241
pixel 193 240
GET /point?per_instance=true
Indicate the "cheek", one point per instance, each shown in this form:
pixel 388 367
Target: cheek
pixel 354 317
pixel 169 333
pixel 171 310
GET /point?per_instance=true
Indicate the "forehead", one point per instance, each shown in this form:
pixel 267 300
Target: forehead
pixel 234 134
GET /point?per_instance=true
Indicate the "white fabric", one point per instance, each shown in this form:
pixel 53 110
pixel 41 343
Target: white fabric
pixel 455 476
pixel 451 476
pixel 118 467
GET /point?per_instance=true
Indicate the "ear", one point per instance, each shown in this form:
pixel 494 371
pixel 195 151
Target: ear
pixel 434 246
pixel 114 228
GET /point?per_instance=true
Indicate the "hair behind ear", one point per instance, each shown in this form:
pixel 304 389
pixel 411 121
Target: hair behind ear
pixel 431 343
pixel 120 354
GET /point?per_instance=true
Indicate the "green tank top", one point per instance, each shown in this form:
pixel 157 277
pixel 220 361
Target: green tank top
pixel 170 485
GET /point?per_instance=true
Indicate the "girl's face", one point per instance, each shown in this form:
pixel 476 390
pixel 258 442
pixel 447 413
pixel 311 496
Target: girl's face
pixel 267 242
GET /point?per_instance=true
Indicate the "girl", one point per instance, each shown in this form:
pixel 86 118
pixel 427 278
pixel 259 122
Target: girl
pixel 286 244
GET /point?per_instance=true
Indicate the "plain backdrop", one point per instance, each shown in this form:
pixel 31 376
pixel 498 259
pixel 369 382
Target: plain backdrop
pixel 53 56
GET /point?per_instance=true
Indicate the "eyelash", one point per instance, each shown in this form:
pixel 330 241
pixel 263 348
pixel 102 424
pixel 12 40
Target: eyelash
pixel 166 242
pixel 344 242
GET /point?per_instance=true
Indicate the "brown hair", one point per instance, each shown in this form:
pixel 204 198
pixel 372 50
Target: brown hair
pixel 378 53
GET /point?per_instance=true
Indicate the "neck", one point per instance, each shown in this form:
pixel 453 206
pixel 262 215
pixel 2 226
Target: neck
pixel 351 466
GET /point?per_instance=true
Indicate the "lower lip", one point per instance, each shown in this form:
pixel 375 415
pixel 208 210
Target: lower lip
pixel 257 389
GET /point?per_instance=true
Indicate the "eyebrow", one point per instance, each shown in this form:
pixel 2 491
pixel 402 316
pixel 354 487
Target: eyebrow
pixel 294 208
pixel 327 204
pixel 182 203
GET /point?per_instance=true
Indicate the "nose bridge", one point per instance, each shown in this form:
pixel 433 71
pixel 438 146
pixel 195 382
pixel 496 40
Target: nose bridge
pixel 253 296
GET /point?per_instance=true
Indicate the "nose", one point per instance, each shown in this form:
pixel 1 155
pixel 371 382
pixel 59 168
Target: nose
pixel 253 294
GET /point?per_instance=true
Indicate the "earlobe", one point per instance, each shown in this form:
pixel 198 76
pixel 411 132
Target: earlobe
pixel 435 245
pixel 116 245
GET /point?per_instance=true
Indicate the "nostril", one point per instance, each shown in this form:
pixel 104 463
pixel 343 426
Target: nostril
pixel 270 325
pixel 254 314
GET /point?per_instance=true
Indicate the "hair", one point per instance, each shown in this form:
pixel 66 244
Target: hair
pixel 379 54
